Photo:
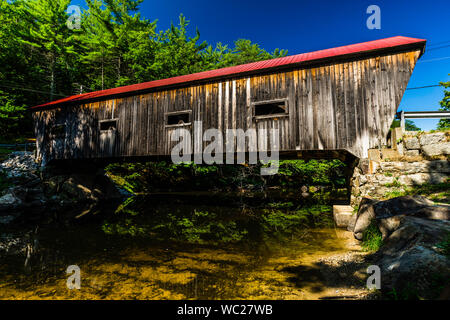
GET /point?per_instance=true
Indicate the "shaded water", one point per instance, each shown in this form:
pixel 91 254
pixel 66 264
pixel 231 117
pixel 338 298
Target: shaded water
pixel 253 263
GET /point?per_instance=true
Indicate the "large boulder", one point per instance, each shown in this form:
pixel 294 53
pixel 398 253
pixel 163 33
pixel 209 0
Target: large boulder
pixel 35 194
pixel 9 203
pixel 410 259
pixel 366 214
pixel 373 210
pixel 76 188
pixel 401 205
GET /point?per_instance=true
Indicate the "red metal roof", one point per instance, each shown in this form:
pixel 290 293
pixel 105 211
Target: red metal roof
pixel 242 69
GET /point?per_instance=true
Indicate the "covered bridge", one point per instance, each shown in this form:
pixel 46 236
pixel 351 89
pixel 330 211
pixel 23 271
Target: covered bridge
pixel 340 99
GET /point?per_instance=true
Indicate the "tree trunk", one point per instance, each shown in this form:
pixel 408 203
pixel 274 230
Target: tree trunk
pixel 52 78
pixel 118 70
pixel 103 75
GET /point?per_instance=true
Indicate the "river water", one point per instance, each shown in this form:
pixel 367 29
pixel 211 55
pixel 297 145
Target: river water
pixel 139 253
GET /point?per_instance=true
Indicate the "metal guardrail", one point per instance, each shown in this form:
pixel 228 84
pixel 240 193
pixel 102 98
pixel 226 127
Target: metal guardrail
pixel 403 115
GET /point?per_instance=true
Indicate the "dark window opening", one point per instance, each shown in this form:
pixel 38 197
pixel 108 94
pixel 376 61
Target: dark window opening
pixel 267 109
pixel 180 118
pixel 58 131
pixel 108 125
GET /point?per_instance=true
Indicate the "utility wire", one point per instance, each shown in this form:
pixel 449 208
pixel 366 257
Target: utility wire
pixel 430 86
pixel 439 43
pixel 435 59
pixel 19 86
pixel 31 90
pixel 437 48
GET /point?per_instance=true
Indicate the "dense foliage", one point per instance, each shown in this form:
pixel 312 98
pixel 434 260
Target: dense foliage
pixel 44 56
pixel 155 176
pixel 444 124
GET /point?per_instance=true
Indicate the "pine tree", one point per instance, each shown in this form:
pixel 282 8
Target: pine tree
pixel 99 45
pixel 41 58
pixel 246 52
pixel 176 53
pixel 47 31
pixel 121 27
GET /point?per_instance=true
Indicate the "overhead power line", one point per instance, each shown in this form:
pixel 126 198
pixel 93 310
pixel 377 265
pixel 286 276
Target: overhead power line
pixel 438 43
pixel 31 90
pixel 423 87
pixel 437 48
pixel 435 59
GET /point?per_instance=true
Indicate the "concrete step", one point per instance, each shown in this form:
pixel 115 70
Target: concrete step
pixel 344 216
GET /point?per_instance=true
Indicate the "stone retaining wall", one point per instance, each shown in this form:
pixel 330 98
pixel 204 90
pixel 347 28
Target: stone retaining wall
pixel 426 144
pixel 417 158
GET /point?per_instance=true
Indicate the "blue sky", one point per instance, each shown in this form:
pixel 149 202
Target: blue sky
pixel 303 26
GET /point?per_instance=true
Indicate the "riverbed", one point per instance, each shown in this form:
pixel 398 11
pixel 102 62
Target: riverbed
pixel 139 265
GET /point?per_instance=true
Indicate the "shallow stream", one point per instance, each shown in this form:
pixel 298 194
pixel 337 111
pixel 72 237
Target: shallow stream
pixel 117 263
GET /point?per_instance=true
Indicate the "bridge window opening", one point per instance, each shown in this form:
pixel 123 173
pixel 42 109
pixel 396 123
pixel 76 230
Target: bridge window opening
pixel 181 118
pixel 58 131
pixel 269 109
pixel 106 125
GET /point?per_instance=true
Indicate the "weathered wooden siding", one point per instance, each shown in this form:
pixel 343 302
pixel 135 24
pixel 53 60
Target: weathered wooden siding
pixel 348 105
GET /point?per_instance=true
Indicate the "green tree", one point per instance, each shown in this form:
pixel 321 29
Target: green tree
pixel 409 125
pixel 41 58
pixel 18 67
pixel 245 52
pixel 122 27
pixel 46 30
pixel 97 43
pixel 445 106
pixel 176 53
pixel 10 116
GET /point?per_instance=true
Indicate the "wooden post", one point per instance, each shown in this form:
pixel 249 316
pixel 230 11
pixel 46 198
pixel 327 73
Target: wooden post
pixel 402 121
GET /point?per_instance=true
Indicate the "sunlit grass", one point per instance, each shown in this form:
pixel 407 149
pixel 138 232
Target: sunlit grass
pixel 435 192
pixel 372 239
